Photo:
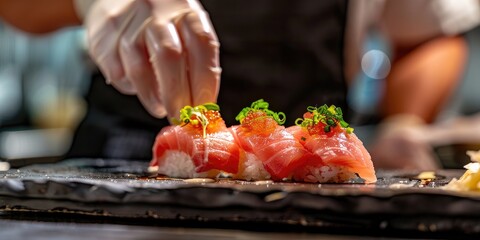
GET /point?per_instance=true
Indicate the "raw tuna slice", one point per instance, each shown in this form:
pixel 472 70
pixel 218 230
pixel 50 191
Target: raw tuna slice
pixel 341 155
pixel 201 146
pixel 265 141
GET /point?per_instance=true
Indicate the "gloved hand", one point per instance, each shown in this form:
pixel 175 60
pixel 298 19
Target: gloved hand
pixel 164 51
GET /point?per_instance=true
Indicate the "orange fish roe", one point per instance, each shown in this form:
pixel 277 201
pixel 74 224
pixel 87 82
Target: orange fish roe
pixel 258 122
pixel 215 123
pixel 319 128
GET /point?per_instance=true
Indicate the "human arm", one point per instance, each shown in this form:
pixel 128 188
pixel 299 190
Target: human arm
pixel 39 16
pixel 429 56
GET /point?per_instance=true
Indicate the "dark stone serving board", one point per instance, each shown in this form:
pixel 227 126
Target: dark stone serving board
pixel 122 189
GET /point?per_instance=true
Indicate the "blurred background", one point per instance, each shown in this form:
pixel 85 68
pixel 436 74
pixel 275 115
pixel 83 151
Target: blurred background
pixel 461 107
pixel 42 83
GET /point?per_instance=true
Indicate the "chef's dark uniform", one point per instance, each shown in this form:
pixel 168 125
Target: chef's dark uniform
pixel 289 53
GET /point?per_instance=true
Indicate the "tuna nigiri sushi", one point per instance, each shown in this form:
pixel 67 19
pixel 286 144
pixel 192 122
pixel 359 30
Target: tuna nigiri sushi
pixel 270 151
pixel 200 145
pixel 321 148
pixel 340 155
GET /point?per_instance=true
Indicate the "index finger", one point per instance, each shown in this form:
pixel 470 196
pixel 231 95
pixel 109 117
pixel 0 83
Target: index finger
pixel 199 37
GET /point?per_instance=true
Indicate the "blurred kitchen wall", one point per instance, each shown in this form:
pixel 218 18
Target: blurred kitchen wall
pixel 42 83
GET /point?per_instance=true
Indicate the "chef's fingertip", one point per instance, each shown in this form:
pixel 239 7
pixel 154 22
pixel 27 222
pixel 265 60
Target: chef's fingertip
pixel 158 112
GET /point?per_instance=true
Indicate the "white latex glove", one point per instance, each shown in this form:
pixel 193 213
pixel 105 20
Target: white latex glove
pixel 164 51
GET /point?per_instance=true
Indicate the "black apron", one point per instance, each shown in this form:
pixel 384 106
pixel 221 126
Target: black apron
pixel 288 52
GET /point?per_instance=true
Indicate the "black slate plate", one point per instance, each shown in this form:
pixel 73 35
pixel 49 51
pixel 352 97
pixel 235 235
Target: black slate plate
pixel 119 188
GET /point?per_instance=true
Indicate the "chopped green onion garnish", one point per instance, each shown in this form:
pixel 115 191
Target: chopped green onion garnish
pixel 263 106
pixel 330 122
pixel 328 115
pixel 349 130
pixel 326 129
pixel 187 112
